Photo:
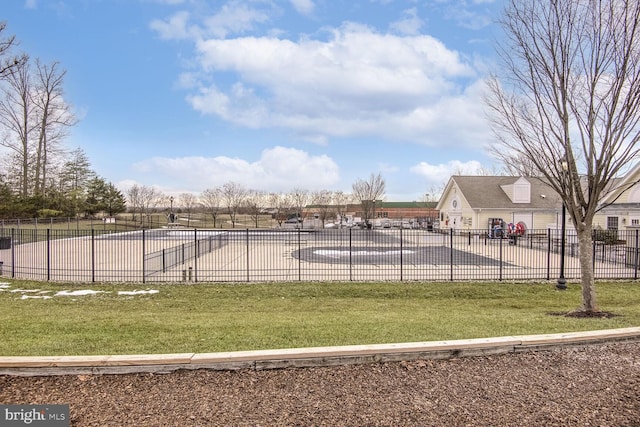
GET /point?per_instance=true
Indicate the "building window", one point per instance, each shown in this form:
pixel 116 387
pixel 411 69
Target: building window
pixel 635 222
pixel 612 223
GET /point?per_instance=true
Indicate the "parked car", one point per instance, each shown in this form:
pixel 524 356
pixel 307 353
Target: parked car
pixel 292 223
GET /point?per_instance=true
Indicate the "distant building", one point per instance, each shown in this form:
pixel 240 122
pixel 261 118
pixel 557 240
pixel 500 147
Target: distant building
pixel 418 213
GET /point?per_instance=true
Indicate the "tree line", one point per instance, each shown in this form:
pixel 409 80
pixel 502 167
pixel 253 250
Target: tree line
pixel 232 199
pixel 39 175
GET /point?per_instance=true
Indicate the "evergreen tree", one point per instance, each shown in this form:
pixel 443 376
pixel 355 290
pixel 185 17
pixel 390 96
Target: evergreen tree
pixel 114 200
pixel 103 196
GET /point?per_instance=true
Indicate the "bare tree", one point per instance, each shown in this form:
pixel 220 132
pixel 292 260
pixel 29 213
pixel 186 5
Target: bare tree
pixel 281 206
pixel 34 118
pixel 143 199
pixel 8 62
pixel 300 199
pixel 53 119
pixel 368 193
pixel 211 200
pixel 134 200
pixel 341 202
pixel 188 201
pixel 17 120
pixel 323 203
pixel 567 103
pixel 255 204
pixel 233 197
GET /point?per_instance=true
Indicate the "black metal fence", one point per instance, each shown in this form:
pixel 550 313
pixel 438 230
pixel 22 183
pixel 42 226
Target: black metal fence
pixel 196 255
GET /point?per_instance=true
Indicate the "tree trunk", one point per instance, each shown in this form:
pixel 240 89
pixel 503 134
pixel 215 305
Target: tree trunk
pixel 587 280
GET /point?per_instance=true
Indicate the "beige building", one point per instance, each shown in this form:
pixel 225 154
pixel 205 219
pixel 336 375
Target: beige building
pixel 476 202
pixel 621 207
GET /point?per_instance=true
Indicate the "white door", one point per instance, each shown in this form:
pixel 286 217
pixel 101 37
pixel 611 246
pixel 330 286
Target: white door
pixel 524 218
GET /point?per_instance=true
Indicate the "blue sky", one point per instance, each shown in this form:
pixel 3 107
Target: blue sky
pixel 186 95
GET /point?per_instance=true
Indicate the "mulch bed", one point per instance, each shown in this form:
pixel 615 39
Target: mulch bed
pixel 597 385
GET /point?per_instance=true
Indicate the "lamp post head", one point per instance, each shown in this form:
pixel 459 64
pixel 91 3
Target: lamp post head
pixel 564 164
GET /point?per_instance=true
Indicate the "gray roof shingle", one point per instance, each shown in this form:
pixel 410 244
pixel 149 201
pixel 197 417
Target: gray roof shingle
pixel 486 192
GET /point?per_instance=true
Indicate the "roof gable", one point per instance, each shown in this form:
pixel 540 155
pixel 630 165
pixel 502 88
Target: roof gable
pixel 496 192
pixel 519 191
pixel 625 189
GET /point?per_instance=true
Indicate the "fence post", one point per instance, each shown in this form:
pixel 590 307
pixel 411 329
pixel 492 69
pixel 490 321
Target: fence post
pixel 548 253
pixel 451 254
pixel 500 258
pixel 635 261
pixel 401 258
pixel 299 255
pixel 350 258
pixel 93 256
pixel 48 253
pixel 197 254
pixel 593 255
pixel 13 253
pixel 248 264
pixel 144 274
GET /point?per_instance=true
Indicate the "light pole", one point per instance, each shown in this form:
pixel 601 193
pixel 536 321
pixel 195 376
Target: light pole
pixel 171 217
pixel 562 282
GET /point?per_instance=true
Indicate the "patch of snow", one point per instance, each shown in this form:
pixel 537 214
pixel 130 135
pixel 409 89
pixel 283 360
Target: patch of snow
pixel 78 293
pixel 149 291
pixel 24 291
pixel 36 297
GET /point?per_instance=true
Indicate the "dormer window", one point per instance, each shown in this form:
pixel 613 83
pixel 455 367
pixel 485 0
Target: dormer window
pixel 519 191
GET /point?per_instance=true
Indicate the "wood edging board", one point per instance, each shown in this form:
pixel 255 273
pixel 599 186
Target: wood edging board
pixel 305 357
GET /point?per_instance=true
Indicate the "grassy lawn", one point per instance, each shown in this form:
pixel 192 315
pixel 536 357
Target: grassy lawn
pixel 228 317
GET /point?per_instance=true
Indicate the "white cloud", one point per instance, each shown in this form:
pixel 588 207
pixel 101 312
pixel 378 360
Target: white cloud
pixel 169 2
pixel 410 24
pixel 278 169
pixel 234 17
pixel 470 16
pixel 441 172
pixel 173 28
pixel 358 83
pixel 305 7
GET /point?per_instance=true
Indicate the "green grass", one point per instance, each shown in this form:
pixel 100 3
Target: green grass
pixel 228 317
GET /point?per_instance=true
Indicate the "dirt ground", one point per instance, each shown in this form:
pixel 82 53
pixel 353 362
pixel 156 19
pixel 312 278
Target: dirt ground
pixel 596 385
